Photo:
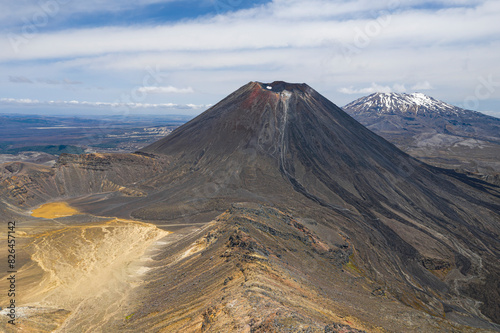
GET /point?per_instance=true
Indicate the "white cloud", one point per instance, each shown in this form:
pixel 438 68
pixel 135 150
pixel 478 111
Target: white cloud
pixel 240 31
pixel 396 87
pixel 24 79
pixel 424 85
pixel 165 90
pixel 19 101
pixel 27 101
pixel 400 47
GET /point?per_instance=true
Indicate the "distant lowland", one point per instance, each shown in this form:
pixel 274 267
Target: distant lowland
pixel 41 139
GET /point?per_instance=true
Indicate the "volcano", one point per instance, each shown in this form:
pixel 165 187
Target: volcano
pixel 287 215
pixel 434 131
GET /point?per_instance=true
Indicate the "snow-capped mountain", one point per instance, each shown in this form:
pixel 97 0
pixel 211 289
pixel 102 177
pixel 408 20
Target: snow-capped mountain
pixel 397 103
pixel 434 131
pixel 414 114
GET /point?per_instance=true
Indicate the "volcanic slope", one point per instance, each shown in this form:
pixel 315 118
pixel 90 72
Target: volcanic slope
pixel 305 221
pixel 434 131
pixel 427 234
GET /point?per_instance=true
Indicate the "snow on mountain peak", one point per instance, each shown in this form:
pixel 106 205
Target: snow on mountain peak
pixel 405 103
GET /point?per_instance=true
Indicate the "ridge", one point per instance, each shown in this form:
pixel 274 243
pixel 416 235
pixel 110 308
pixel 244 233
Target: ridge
pixel 403 103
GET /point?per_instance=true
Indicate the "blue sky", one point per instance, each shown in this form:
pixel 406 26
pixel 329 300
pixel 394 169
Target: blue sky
pixel 172 56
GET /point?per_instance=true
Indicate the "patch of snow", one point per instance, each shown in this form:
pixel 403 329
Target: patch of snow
pixel 269 87
pixel 420 99
pixel 403 103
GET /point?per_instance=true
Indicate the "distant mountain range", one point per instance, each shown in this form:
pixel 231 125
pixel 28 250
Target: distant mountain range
pixel 434 131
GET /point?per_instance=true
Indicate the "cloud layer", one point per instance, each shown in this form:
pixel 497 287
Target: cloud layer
pixel 105 105
pixel 166 90
pixel 341 48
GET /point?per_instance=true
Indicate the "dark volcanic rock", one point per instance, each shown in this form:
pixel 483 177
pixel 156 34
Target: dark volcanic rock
pixel 415 227
pixel 434 131
pixel 417 113
pixel 340 328
pixel 319 221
